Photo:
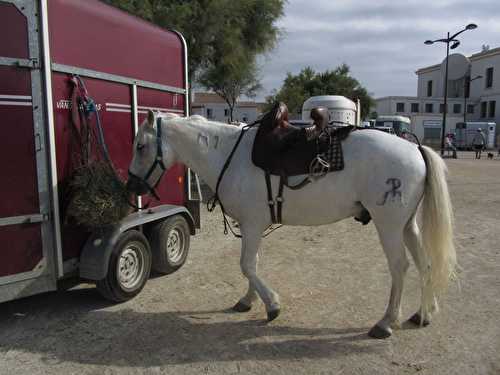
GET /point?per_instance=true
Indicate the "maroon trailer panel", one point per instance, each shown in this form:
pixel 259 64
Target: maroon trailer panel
pixel 21 246
pixel 92 35
pixel 116 122
pixel 23 250
pixel 17 154
pixel 14 24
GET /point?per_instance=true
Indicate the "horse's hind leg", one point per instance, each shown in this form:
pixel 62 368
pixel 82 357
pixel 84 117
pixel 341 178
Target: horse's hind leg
pixel 251 239
pixel 414 244
pixel 394 249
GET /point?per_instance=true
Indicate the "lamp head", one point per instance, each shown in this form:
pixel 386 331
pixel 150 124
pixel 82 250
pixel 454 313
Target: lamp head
pixel 428 42
pixel 471 26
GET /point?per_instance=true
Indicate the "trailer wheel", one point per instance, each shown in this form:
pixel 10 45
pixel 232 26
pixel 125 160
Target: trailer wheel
pixel 129 268
pixel 170 244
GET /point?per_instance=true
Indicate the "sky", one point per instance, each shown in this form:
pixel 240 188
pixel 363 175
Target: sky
pixel 382 41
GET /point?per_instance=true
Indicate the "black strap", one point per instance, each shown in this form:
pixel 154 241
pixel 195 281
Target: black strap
pixel 279 198
pixel 300 185
pixel 212 202
pixel 157 162
pixel 270 200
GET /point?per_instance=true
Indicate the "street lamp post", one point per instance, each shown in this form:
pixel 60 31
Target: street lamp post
pixel 468 80
pixel 455 44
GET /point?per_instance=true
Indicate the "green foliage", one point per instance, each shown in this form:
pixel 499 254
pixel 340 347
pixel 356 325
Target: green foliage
pixel 223 36
pixel 298 88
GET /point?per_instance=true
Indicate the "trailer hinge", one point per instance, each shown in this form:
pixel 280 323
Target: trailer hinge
pixel 28 63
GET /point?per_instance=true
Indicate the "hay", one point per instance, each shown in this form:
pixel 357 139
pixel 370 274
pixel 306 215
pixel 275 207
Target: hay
pixel 98 197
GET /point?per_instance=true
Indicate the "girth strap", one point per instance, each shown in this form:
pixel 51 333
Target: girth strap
pixel 276 215
pixel 270 200
pixel 279 198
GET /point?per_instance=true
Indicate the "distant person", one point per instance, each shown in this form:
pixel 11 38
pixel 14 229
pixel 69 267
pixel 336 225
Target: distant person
pixel 479 143
pixel 449 145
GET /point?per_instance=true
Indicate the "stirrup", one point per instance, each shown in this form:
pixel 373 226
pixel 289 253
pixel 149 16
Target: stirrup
pixel 318 168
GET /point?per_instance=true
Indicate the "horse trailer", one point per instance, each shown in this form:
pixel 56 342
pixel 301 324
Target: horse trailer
pixel 129 67
pixel 466 131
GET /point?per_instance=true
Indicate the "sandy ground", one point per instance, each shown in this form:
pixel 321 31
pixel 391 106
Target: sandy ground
pixel 333 282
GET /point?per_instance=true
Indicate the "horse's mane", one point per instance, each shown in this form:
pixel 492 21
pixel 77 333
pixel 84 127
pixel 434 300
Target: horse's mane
pixel 214 128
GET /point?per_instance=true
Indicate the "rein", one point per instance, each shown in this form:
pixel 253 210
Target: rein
pixel 214 200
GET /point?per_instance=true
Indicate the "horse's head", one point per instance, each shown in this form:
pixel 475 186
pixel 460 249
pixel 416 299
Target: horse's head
pixel 152 156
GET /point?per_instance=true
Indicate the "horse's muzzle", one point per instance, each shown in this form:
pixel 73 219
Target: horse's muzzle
pixel 136 185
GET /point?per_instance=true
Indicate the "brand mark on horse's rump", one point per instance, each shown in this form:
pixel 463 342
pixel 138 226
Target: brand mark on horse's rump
pixel 393 193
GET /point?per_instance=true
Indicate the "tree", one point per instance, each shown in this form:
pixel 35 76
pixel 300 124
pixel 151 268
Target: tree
pixel 224 37
pixel 230 81
pixel 298 88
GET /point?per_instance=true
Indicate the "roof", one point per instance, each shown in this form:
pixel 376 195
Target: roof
pixel 201 99
pixel 473 57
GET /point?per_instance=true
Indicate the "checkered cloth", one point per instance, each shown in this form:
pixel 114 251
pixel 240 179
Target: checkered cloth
pixel 331 146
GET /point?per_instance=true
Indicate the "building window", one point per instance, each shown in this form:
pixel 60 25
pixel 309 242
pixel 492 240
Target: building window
pixel 441 108
pixel 210 113
pixel 414 107
pixel 484 106
pixel 226 112
pixel 489 78
pixel 429 88
pixel 400 107
pixel 457 108
pixel 470 109
pixel 429 108
pixel 492 108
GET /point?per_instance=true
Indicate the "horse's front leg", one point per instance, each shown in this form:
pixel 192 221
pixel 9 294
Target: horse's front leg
pixel 250 242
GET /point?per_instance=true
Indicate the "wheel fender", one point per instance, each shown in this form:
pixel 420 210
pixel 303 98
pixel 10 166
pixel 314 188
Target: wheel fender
pixel 94 258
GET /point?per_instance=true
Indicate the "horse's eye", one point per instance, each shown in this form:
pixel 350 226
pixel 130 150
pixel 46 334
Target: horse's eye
pixel 140 146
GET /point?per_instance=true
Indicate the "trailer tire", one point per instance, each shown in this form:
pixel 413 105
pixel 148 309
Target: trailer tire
pixel 129 268
pixel 170 244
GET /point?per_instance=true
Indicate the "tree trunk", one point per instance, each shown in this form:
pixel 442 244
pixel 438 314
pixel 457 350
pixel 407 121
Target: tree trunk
pixel 231 110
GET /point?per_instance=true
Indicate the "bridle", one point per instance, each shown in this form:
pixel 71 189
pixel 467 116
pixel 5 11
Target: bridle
pixel 158 162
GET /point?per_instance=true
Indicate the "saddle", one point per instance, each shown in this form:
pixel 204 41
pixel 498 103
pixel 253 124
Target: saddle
pixel 285 150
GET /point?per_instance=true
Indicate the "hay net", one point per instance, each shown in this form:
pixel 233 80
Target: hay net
pixel 93 195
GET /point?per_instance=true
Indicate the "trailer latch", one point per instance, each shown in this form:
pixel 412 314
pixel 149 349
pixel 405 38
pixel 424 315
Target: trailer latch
pixel 28 63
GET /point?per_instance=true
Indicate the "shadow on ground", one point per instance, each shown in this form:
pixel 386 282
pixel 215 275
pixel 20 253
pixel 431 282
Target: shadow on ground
pixel 78 326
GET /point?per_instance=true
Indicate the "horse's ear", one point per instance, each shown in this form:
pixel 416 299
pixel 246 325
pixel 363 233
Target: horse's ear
pixel 151 118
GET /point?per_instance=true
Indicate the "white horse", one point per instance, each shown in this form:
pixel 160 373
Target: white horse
pixel 386 175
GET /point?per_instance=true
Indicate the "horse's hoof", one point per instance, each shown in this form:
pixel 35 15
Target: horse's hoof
pixel 378 332
pixel 241 307
pixel 273 314
pixel 417 319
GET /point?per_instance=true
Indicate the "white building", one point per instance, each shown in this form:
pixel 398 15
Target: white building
pixel 213 107
pixel 426 109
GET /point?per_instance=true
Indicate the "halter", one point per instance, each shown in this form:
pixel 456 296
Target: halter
pixel 157 162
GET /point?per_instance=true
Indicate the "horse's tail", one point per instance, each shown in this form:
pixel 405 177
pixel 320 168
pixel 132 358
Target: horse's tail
pixel 437 233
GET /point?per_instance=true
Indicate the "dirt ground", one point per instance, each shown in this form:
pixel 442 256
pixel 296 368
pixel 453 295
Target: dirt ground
pixel 334 285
